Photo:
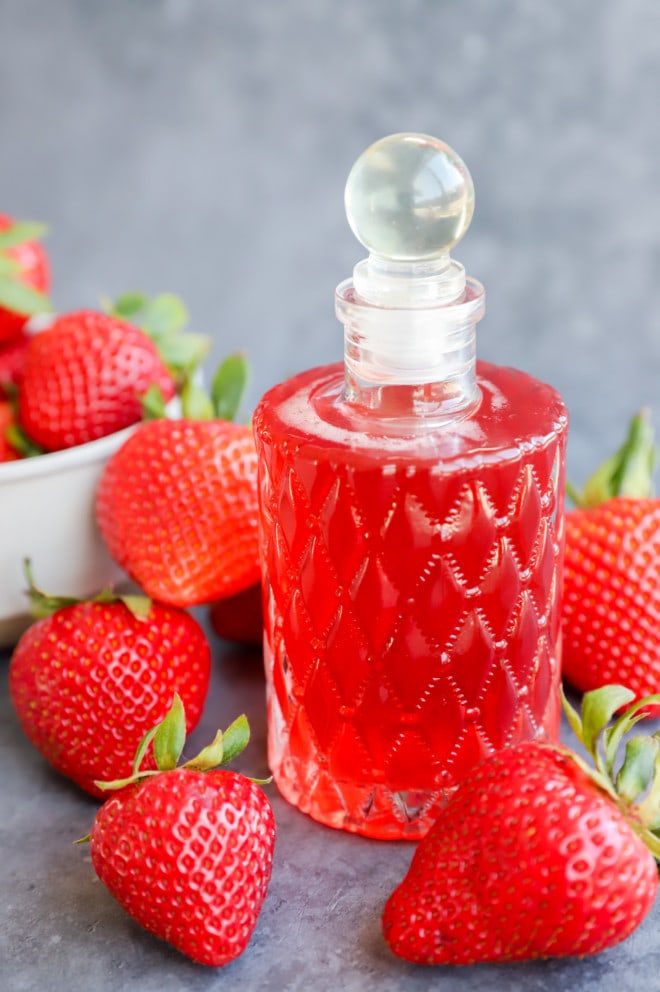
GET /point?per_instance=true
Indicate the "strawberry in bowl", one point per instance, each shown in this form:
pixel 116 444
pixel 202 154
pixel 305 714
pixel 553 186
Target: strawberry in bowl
pixel 24 276
pixel 83 388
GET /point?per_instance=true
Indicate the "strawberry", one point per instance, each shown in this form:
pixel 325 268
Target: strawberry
pixel 611 600
pixel 177 507
pixel 240 617
pixel 24 275
pixel 12 361
pixel 89 679
pixel 7 451
pixel 534 854
pixel 188 852
pixel 84 377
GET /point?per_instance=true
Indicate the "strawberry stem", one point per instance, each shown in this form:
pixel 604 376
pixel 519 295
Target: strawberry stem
pixel 635 787
pixel 169 737
pixel 229 385
pixel 20 441
pixel 163 318
pixel 43 604
pixel 21 231
pixel 628 472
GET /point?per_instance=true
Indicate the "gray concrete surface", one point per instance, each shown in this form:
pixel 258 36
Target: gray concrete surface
pixel 319 930
pixel 202 148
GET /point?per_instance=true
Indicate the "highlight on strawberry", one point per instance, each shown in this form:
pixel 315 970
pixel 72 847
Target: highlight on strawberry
pixel 611 603
pixel 89 678
pixel 188 851
pixel 177 503
pixel 537 854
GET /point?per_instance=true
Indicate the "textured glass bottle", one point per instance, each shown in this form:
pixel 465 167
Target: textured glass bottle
pixel 411 522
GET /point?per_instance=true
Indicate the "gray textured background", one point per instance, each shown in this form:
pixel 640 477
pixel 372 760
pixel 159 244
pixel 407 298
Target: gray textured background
pixel 202 147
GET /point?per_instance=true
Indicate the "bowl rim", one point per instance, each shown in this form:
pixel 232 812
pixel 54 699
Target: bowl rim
pixel 54 461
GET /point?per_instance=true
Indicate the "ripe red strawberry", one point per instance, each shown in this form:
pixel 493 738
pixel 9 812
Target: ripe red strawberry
pixel 12 361
pixel 188 853
pixel 177 507
pixel 531 857
pixel 88 681
pixel 84 377
pixel 611 607
pixel 240 617
pixel 24 275
pixel 7 452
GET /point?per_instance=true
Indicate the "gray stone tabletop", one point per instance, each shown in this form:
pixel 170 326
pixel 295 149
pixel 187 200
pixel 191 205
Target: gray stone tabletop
pixel 201 147
pixel 319 928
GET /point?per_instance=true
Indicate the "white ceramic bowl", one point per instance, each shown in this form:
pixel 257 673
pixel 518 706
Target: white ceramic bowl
pixel 47 515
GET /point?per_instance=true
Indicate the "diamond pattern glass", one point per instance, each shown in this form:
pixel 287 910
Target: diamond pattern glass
pixel 412 597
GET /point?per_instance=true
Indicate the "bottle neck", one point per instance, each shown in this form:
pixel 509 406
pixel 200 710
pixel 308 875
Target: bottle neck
pixel 411 362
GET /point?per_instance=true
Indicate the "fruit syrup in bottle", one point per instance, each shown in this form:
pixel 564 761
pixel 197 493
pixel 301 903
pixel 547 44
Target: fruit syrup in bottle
pixel 411 507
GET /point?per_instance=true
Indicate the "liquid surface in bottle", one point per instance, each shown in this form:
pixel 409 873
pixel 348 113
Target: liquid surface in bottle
pixel 412 580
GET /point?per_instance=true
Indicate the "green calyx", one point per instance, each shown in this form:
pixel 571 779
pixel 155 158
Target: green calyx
pixel 222 403
pixel 14 433
pixel 164 319
pixel 44 604
pixel 628 472
pixel 168 739
pixel 21 443
pixel 633 783
pixel 15 295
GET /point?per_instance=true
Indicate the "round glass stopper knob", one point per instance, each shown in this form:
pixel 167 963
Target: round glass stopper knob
pixel 409 197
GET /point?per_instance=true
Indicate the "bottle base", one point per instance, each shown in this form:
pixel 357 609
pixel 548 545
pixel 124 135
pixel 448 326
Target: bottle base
pixel 371 809
pixel 368 810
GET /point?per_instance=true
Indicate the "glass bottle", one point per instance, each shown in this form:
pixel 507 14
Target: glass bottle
pixel 411 507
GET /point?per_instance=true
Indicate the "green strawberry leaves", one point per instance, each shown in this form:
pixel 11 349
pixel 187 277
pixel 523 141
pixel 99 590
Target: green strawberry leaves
pixel 633 782
pixel 228 386
pixel 638 769
pixel 168 739
pixel 158 316
pixel 15 295
pixel 164 318
pixel 170 736
pixel 223 748
pixel 20 441
pixel 628 472
pixel 19 298
pixel 223 404
pixel 43 604
pixel 21 231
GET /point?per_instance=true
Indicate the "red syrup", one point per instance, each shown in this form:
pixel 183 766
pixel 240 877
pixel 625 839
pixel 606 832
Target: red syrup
pixel 411 583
